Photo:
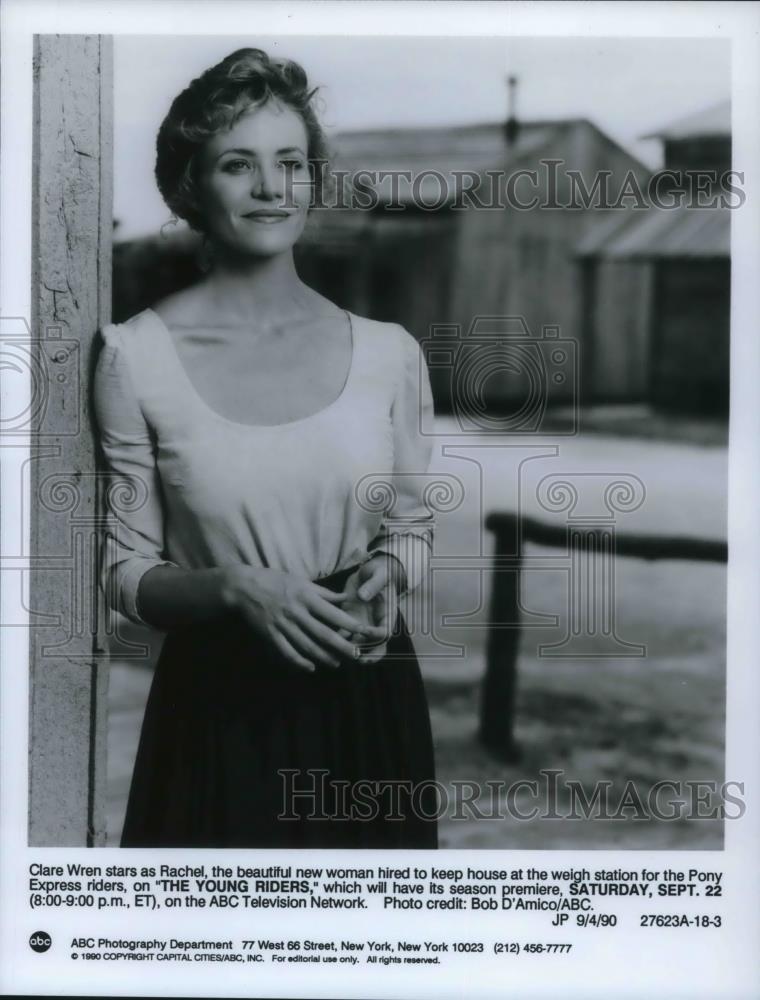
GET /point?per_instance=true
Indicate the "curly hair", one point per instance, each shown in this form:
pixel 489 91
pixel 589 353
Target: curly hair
pixel 212 103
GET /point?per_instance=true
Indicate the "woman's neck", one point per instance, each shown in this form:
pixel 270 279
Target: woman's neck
pixel 268 288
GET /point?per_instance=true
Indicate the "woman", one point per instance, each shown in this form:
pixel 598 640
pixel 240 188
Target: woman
pixel 253 425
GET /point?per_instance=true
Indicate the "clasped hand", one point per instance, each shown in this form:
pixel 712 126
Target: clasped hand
pixel 308 623
pixel 373 598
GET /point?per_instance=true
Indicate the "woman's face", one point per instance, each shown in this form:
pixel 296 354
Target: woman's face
pixel 254 182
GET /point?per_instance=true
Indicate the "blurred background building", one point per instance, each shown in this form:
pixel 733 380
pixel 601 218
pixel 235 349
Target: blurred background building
pixel 657 285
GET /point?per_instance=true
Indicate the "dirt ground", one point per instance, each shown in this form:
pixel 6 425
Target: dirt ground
pixel 637 719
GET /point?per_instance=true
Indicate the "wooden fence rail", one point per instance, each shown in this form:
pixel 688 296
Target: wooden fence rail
pixel 498 696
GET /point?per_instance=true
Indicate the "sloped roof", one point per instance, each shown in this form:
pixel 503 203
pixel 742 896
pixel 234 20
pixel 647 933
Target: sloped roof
pixel 445 150
pixel 657 232
pixel 434 143
pixel 712 122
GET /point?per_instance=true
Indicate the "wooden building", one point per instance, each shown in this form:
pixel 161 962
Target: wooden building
pixel 657 285
pixel 459 261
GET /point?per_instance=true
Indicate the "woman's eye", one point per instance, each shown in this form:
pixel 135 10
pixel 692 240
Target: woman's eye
pixel 236 166
pixel 292 164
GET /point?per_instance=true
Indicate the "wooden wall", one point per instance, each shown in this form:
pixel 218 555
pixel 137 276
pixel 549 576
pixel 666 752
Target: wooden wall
pixel 71 300
pixel 618 323
pixel 690 336
pixel 523 263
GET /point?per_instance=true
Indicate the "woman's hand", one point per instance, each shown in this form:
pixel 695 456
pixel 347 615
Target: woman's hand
pixel 373 597
pixel 300 618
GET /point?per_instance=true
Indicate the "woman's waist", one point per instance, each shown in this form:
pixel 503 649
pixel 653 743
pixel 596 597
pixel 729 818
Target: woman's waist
pixel 227 654
pixel 231 626
pixel 213 545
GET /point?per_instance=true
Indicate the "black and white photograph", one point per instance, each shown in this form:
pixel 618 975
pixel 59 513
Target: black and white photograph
pixel 372 443
pixel 510 346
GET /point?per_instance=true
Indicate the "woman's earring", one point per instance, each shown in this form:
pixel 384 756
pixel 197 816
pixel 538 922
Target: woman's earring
pixel 173 221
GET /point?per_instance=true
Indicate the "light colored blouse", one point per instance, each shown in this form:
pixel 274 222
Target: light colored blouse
pixel 190 488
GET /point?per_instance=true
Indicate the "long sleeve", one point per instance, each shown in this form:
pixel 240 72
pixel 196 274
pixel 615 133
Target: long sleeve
pixel 407 530
pixel 134 537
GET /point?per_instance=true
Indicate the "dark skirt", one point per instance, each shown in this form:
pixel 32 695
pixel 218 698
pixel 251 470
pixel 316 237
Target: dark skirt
pixel 239 748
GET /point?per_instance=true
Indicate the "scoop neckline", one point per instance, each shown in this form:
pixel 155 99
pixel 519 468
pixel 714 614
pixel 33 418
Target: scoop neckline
pixel 177 361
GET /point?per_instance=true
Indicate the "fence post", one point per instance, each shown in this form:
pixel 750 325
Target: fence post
pixel 498 694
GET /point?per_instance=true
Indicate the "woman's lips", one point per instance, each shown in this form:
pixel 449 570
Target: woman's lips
pixel 267 217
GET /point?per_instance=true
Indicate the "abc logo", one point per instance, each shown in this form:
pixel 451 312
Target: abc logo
pixel 40 941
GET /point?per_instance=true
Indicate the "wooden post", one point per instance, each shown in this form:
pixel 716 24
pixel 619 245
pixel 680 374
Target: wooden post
pixel 71 300
pixel 497 708
pixel 498 694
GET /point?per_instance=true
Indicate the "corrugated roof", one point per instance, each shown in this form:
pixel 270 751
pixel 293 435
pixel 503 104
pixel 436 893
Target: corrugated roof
pixel 710 122
pixel 658 232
